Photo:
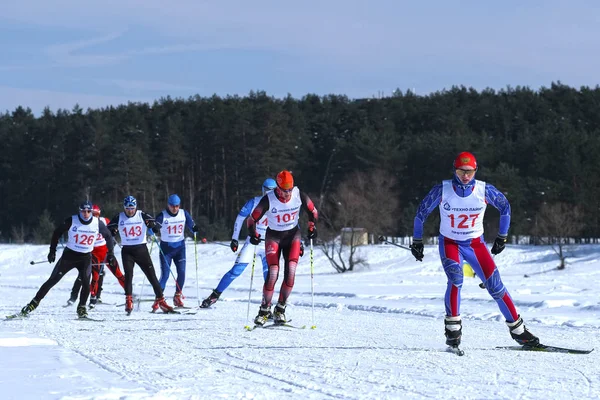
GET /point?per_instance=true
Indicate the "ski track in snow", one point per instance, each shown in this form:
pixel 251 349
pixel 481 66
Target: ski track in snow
pixel 378 339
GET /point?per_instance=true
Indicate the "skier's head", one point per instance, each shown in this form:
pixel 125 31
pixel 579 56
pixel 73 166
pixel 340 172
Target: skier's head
pixel 174 200
pixel 465 167
pixel 130 205
pixel 96 210
pixel 285 185
pixel 268 185
pixel 85 210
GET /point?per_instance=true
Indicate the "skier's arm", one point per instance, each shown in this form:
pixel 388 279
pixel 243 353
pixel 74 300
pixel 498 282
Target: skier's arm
pixel 59 231
pixel 309 207
pixel 242 215
pixel 497 199
pixel 113 225
pixel 428 204
pixel 258 212
pixel 151 222
pixel 189 222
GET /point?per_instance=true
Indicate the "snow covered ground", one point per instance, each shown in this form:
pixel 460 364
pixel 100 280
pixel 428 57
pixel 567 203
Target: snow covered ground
pixel 379 333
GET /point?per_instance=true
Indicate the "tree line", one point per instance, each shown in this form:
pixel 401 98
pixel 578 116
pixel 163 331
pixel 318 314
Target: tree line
pixel 364 162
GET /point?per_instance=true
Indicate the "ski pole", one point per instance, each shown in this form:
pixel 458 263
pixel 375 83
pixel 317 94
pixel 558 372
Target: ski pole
pixel 312 285
pixel 382 239
pixel 247 327
pixel 196 254
pixel 38 262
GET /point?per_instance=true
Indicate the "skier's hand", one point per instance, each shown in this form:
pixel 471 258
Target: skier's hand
pixel 233 245
pixel 255 240
pixel 312 231
pixel 499 245
pixel 416 248
pixel 301 249
pixel 52 255
pixel 110 259
pixel 195 228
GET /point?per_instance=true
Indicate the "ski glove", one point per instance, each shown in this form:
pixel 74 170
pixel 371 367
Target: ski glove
pixel 195 228
pixel 301 249
pixel 52 255
pixel 499 244
pixel 416 248
pixel 255 240
pixel 234 245
pixel 312 231
pixel 110 259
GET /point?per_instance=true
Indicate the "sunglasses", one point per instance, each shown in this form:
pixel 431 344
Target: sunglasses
pixel 465 172
pixel 286 190
pixel 130 208
pixel 86 211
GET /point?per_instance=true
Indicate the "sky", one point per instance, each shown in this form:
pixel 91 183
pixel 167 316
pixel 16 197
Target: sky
pixel 378 332
pixel 61 53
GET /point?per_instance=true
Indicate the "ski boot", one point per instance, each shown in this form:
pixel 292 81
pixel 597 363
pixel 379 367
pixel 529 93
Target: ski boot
pixel 29 307
pixel 453 330
pixel 71 301
pixel 262 316
pixel 162 303
pixel 128 304
pixel 210 300
pixel 521 334
pixel 93 301
pixel 178 299
pixel 279 314
pixel 82 312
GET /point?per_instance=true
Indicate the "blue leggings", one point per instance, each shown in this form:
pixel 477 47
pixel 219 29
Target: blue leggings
pixel 244 258
pixel 177 255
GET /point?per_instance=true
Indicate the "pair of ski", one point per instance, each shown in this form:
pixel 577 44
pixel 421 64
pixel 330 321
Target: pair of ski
pixel 275 325
pixel 21 316
pixel 540 347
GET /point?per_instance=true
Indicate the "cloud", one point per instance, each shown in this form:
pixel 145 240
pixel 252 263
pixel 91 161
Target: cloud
pixel 65 54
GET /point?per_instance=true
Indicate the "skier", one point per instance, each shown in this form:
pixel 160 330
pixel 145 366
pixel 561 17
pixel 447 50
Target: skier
pixel 282 208
pixel 173 221
pixel 462 202
pixel 98 262
pixel 83 231
pixel 249 251
pixel 132 226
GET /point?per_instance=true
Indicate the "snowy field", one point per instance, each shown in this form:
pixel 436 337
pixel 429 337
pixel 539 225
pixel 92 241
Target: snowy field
pixel 379 333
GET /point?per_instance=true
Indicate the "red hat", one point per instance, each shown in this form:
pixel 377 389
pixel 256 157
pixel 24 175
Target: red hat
pixel 285 180
pixel 465 159
pixel 96 210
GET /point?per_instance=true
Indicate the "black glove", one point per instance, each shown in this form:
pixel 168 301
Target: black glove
pixel 416 248
pixel 301 249
pixel 155 229
pixel 255 240
pixel 52 255
pixel 110 259
pixel 234 245
pixel 312 231
pixel 151 223
pixel 498 245
pixel 114 231
pixel 195 228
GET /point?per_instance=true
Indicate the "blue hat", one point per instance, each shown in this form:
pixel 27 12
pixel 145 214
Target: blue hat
pixel 268 184
pixel 174 200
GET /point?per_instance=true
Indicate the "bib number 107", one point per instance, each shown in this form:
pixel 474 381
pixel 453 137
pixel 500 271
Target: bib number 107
pixel 287 217
pixel 463 221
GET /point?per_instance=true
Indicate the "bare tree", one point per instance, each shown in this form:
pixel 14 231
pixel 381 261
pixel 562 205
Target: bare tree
pixel 556 223
pixel 363 202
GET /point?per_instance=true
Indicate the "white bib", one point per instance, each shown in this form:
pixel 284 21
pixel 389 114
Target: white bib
pixel 82 237
pixel 132 230
pixel 172 227
pixel 461 218
pixel 283 216
pixel 100 241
